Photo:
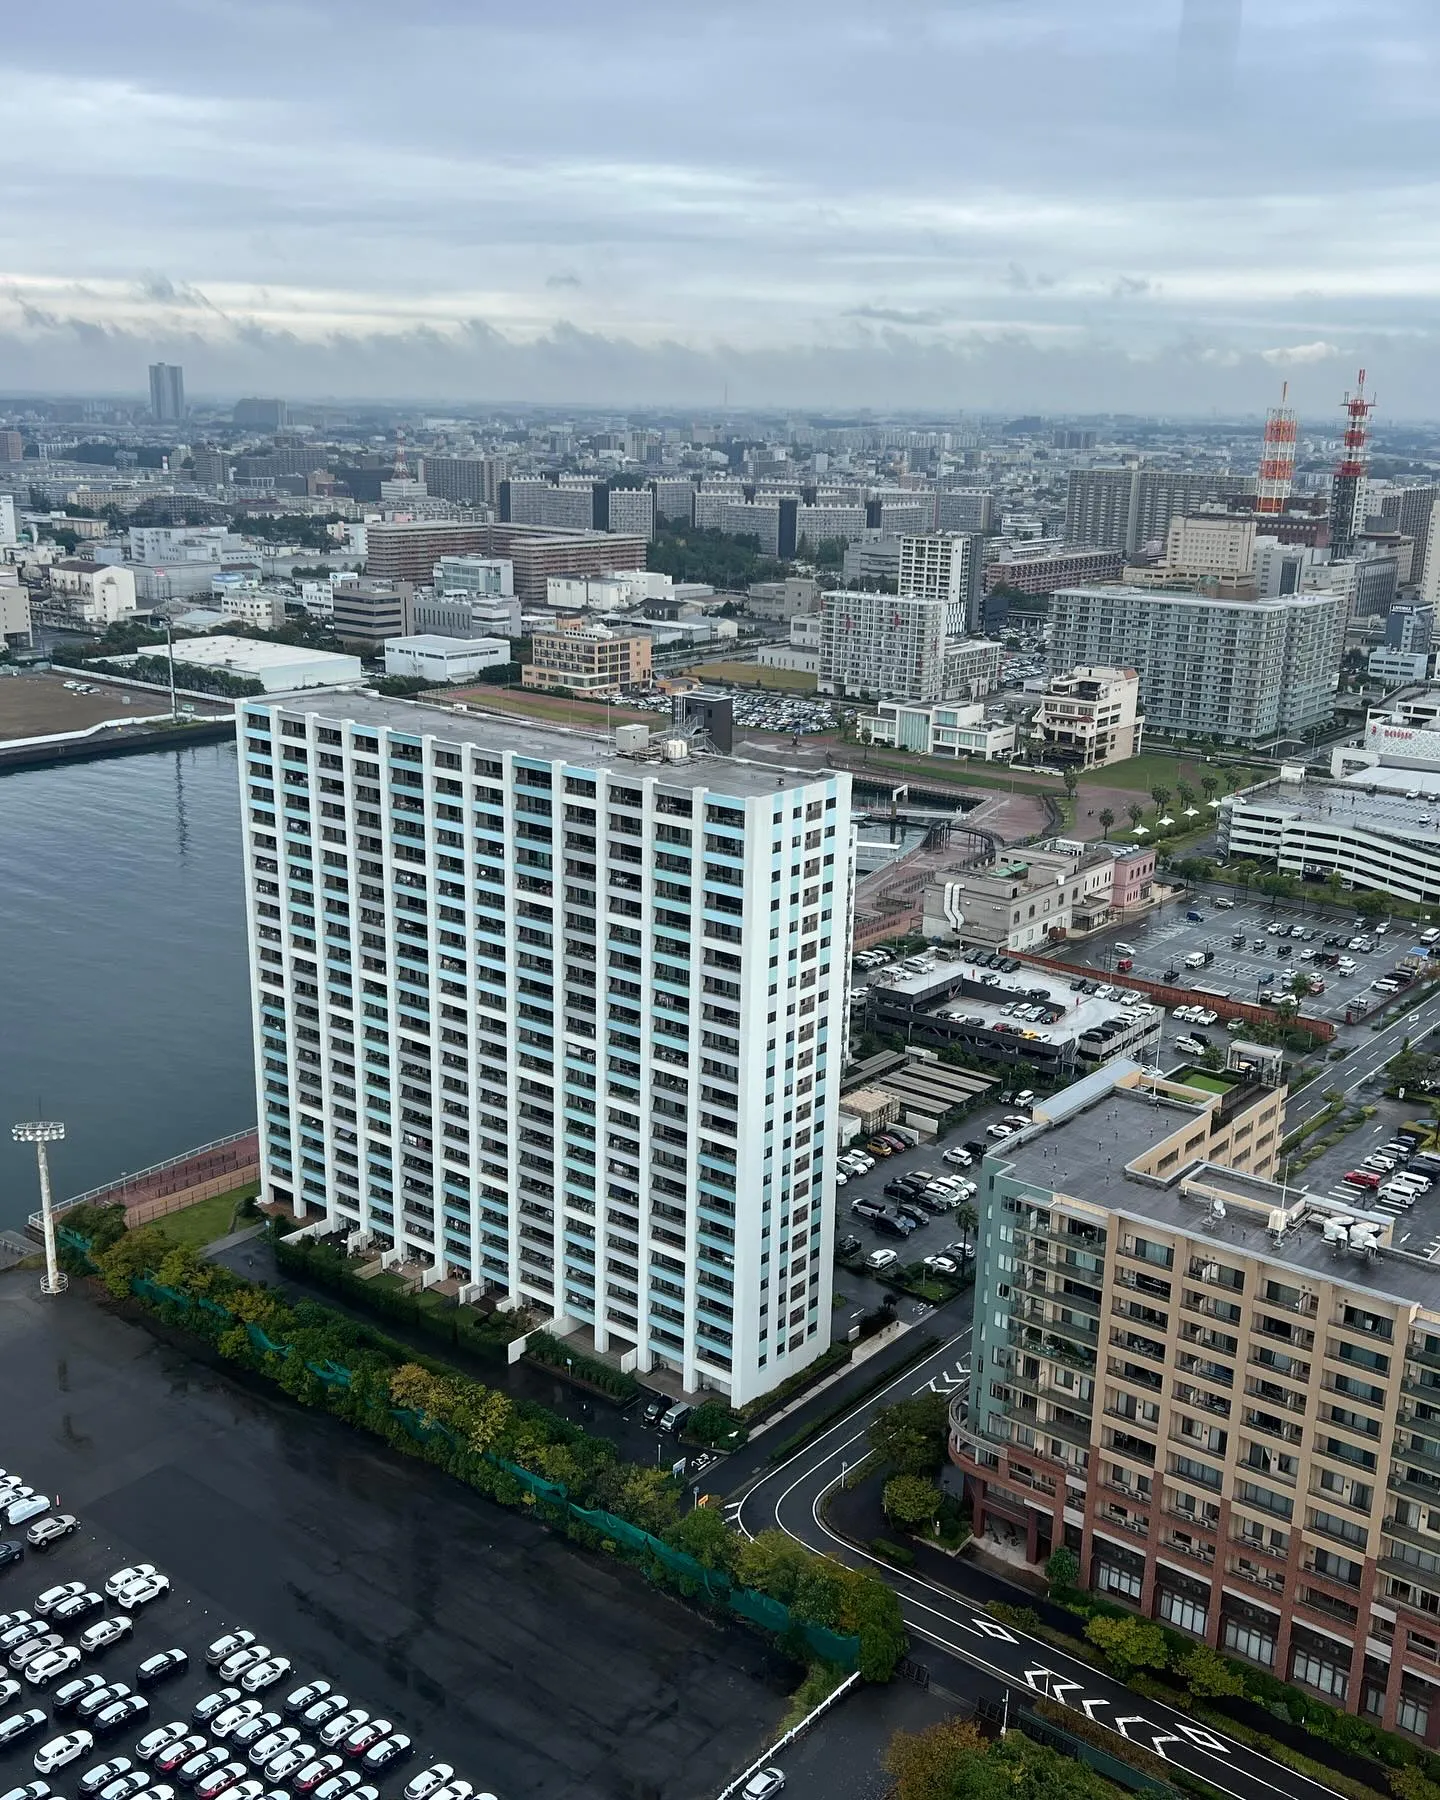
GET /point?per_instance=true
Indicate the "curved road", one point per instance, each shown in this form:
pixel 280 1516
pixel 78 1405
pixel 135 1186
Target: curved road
pixel 955 1635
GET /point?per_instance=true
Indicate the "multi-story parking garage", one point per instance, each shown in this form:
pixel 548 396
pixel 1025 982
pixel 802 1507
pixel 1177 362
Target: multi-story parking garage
pixel 1373 830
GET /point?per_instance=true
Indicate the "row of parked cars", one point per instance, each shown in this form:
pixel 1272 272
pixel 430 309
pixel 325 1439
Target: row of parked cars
pixel 1397 1174
pixel 316 1742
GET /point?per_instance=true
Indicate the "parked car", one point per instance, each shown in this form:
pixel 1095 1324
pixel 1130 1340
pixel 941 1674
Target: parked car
pixel 201 1763
pixel 99 1698
pixel 234 1715
pixel 41 1646
pixel 124 1786
pixel 105 1633
pixel 162 1666
pixel 67 1698
pixel 427 1782
pixel 121 1715
pixel 1365 1178
pixel 958 1159
pixel 312 1691
pixel 210 1704
pixel 51 1598
pixel 50 1665
pixel 284 1764
pixel 29 1790
pixel 80 1606
pixel 941 1265
pixel 256 1729
pixel 224 1775
pixel 238 1661
pixel 45 1532
pixel 180 1751
pixel 317 1771
pixel 879 1260
pixel 267 1746
pixel 29 1507
pixel 342 1725
pixel 62 1750
pixel 161 1738
pixel 141 1593
pixel 762 1784
pixel 336 1787
pixel 216 1653
pixel 388 1751
pixel 123 1578
pixel 102 1775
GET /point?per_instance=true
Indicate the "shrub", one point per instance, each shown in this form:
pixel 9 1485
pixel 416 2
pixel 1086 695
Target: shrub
pixel 1062 1571
pixel 1128 1644
pixel 911 1501
pixel 892 1552
pixel 556 1354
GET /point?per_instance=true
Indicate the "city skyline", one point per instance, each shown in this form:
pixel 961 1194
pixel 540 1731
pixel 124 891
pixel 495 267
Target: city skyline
pixel 844 211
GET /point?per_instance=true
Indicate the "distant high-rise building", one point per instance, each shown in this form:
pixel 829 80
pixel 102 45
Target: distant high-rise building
pixel 467 480
pixel 12 447
pixel 212 468
pixel 167 392
pixel 1411 510
pixel 943 568
pixel 260 415
pixel 965 509
pixel 1124 509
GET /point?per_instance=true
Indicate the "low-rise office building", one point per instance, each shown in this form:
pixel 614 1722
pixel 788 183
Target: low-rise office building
pixel 1021 902
pixel 1212 1386
pixel 100 593
pixel 931 729
pixel 588 660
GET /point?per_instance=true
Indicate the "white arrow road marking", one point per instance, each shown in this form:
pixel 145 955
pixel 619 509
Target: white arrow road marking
pixel 1043 1685
pixel 1062 1688
pixel 1085 1706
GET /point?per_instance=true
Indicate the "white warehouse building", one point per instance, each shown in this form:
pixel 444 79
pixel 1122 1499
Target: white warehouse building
pixel 444 659
pixel 591 1061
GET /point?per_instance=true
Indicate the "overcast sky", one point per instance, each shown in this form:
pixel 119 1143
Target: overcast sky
pixel 1054 204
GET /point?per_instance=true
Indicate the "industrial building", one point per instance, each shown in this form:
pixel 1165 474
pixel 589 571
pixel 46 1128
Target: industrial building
pixel 444 659
pixel 561 1075
pixel 279 668
pixel 1210 1385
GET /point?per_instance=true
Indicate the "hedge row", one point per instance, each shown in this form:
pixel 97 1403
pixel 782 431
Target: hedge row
pixel 328 1361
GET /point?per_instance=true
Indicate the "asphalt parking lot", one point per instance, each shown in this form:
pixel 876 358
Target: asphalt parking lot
pixel 1164 938
pixel 533 1668
pixel 863 1293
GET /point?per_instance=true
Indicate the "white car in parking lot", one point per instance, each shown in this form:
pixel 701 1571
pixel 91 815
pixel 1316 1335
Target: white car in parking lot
pixel 123 1578
pixel 62 1750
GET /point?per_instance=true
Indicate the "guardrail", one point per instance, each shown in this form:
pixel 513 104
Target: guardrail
pixel 790 1736
pixel 138 1176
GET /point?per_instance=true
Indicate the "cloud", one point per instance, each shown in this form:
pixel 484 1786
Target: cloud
pixel 200 192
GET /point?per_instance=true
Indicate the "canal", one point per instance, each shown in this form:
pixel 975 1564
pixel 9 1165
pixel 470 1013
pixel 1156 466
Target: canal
pixel 124 1006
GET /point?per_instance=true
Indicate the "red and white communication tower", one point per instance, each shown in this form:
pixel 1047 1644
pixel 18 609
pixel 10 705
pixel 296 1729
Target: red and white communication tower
pixel 1350 472
pixel 1277 457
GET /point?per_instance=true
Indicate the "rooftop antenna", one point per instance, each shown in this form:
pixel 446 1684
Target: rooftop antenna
pixel 1277 457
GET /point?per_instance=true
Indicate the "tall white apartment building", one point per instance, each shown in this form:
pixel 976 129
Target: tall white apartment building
pixel 883 645
pixel 564 1021
pixel 943 568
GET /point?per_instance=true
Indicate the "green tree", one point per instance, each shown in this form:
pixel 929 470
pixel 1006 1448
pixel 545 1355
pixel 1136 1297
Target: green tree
pixel 1370 905
pixel 703 1534
pixel 1128 1644
pixel 967 1220
pixel 912 1435
pixel 137 1253
pixel 1072 781
pixel 1062 1571
pixel 1186 793
pixel 911 1501
pixel 1107 819
pixel 1136 812
pixel 932 1764
pixel 1161 797
pixel 1207 1674
pixel 1210 786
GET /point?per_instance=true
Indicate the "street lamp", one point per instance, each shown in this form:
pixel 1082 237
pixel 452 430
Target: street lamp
pixel 41 1132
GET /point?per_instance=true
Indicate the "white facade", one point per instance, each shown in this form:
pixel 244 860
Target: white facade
pixel 590 1060
pixel 14 614
pixel 180 543
pixel 942 568
pixel 1089 718
pixel 282 668
pixel 1398 668
pixel 253 606
pixel 100 592
pixel 442 658
pixel 489 577
pixel 1370 839
pixel 882 645
pixel 9 530
pixel 938 730
pixel 1210 546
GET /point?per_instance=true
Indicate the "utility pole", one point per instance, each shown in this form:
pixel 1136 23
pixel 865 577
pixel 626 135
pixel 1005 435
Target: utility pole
pixel 41 1132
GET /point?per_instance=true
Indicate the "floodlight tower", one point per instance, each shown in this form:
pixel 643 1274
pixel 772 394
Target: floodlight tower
pixel 41 1132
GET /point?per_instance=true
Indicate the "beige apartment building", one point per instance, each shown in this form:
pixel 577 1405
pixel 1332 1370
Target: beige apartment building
pixel 1221 1392
pixel 588 660
pixel 1089 718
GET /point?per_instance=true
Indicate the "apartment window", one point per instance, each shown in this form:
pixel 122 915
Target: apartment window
pixel 1117 1578
pixel 1183 1611
pixel 1320 1673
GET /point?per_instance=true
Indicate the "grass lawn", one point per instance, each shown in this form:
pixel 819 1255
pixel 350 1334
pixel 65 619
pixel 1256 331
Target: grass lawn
pixel 942 769
pixel 206 1220
pixel 794 681
pixel 555 709
pixel 1161 768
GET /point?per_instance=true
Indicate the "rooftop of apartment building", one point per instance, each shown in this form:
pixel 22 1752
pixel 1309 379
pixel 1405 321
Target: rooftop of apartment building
pixel 1075 1013
pixel 1085 1139
pixel 1193 594
pixel 498 732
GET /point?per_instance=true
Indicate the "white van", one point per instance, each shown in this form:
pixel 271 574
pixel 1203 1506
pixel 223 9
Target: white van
pixel 1195 960
pixel 1125 950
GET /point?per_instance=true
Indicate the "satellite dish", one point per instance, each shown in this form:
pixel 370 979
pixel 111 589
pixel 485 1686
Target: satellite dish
pixel 1217 1209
